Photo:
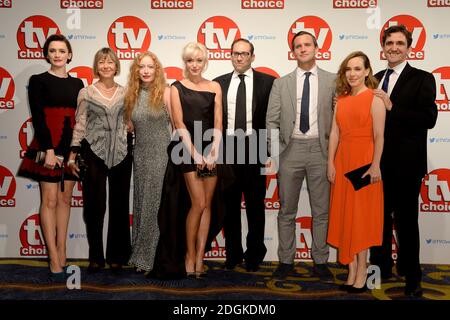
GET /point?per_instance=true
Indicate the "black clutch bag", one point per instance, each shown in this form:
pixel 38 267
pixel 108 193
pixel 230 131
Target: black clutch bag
pixel 205 172
pixel 355 177
pixel 40 158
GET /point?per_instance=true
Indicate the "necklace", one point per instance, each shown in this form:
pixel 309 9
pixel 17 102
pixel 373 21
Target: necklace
pixel 101 86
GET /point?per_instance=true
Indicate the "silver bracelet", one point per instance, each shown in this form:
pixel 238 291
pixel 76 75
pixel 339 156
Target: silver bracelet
pixel 70 161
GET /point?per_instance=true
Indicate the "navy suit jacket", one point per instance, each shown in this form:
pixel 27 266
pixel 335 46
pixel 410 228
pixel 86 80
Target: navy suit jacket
pixel 413 112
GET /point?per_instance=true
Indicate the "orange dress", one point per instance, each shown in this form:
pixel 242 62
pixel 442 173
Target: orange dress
pixel 356 217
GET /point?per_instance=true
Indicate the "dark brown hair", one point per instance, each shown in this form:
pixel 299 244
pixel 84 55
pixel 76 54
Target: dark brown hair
pixel 399 28
pixel 56 37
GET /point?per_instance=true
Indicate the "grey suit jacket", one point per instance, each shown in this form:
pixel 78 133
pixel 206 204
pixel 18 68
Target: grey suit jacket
pixel 281 110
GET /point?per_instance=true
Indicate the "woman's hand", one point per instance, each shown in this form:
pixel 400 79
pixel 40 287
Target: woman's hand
pixel 51 161
pixel 331 172
pixel 374 172
pixel 73 168
pixel 211 159
pixel 210 162
pixel 199 160
pixel 130 126
pixel 384 97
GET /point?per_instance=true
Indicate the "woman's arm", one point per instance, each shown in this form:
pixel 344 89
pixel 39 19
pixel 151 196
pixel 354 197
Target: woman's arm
pixel 79 130
pixel 332 147
pixel 177 114
pixel 214 154
pixel 378 111
pixel 167 103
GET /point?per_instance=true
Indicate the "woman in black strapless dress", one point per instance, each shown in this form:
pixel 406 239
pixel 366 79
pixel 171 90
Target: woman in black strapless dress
pixel 197 114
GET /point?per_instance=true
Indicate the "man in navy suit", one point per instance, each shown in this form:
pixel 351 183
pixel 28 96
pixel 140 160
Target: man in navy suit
pixel 245 97
pixel 409 96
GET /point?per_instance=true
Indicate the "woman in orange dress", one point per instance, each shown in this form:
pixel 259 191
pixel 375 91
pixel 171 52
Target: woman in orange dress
pixel 356 139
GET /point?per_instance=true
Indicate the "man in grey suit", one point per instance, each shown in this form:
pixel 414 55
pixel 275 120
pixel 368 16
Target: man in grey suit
pixel 301 108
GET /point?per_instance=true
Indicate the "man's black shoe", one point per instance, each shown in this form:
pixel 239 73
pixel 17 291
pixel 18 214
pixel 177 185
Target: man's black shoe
pixel 321 270
pixel 283 270
pixel 413 291
pixel 251 267
pixel 94 267
pixel 229 265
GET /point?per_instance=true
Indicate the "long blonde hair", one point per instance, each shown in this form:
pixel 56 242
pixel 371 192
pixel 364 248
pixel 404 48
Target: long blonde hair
pixel 156 88
pixel 342 85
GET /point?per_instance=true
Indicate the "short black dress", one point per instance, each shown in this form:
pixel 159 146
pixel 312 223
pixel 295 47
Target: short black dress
pixel 198 117
pixel 53 102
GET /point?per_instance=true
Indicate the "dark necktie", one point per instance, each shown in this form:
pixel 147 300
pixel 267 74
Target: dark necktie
pixel 385 85
pixel 240 121
pixel 304 111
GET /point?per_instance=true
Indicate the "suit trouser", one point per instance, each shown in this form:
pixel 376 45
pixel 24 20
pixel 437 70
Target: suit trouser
pixel 250 182
pixel 303 159
pixel 401 205
pixel 118 248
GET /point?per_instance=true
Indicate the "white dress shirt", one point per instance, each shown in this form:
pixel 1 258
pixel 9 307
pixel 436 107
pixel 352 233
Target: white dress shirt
pixel 231 98
pixel 394 77
pixel 313 131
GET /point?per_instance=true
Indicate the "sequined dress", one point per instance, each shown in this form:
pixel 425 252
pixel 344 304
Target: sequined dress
pixel 152 136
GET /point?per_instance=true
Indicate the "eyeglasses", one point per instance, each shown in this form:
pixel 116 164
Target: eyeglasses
pixel 244 54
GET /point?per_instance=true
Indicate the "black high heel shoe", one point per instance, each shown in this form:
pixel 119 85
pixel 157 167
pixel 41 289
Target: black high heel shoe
pixel 355 290
pixel 345 287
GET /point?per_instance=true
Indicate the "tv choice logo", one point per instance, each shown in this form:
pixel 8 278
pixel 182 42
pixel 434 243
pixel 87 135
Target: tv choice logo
pixel 7 188
pixel 31 238
pixel 172 4
pixel 217 247
pixel 354 4
pixel 262 4
pixel 317 27
pixel 303 233
pixel 7 89
pixel 268 71
pixel 417 29
pixel 128 36
pixel 272 200
pixel 217 34
pixel 438 3
pixel 31 36
pixel 84 73
pixel 442 77
pixel 5 3
pixel 82 4
pixel 435 191
pixel 26 132
pixel 173 74
pixel 77 196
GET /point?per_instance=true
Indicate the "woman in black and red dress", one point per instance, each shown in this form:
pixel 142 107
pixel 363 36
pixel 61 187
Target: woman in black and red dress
pixel 53 100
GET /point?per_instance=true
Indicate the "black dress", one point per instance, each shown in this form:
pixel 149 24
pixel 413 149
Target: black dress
pixel 198 117
pixel 175 201
pixel 53 102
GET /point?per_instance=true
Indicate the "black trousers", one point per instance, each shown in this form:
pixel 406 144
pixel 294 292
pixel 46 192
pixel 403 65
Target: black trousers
pixel 401 205
pixel 118 247
pixel 249 181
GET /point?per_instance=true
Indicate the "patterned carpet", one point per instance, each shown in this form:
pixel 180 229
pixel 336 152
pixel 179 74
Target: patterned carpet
pixel 28 280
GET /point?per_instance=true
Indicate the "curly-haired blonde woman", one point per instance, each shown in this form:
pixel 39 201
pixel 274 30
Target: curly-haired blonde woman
pixel 147 104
